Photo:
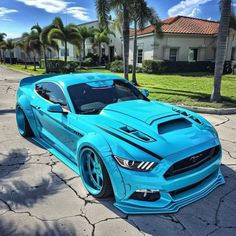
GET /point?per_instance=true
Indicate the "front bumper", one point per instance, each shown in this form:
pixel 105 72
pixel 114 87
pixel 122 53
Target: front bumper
pixel 175 192
pixel 169 204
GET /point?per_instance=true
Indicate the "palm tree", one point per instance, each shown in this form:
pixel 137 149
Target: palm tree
pixel 24 46
pixel 221 49
pixel 67 34
pixel 101 36
pixel 85 33
pixel 9 46
pixel 103 9
pixel 42 38
pixel 141 16
pixel 2 36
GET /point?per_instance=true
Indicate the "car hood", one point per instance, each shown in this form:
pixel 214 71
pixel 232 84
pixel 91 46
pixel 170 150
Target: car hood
pixel 145 111
pixel 171 131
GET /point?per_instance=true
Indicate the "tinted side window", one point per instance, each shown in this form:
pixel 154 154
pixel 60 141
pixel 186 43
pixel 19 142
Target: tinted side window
pixel 52 93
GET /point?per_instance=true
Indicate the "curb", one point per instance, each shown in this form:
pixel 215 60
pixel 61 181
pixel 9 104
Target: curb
pixel 215 111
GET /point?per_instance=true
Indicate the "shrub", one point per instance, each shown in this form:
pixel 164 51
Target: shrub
pixel 88 61
pixel 55 65
pixel 70 67
pixel 117 66
pixel 154 66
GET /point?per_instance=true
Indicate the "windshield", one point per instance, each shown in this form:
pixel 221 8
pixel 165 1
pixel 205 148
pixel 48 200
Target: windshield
pixel 91 98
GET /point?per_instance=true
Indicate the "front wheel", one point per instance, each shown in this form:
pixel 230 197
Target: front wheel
pixel 94 174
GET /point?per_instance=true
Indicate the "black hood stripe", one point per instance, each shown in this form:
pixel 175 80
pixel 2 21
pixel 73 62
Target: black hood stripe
pixel 132 143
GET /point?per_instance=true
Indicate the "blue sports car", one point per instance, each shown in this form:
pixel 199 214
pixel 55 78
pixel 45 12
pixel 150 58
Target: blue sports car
pixel 152 156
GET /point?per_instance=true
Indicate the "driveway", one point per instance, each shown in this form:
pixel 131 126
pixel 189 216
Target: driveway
pixel 41 196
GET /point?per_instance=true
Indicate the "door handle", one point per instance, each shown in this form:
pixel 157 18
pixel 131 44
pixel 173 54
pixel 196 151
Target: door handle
pixel 38 107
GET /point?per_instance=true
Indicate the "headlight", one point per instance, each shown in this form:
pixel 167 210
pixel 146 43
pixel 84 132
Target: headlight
pixel 135 165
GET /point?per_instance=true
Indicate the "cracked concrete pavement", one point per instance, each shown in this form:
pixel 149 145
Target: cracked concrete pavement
pixel 41 196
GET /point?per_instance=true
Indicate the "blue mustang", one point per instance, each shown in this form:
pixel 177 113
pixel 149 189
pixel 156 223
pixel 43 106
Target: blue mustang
pixel 154 157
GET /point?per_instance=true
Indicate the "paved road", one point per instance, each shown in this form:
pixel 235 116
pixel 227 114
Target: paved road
pixel 41 196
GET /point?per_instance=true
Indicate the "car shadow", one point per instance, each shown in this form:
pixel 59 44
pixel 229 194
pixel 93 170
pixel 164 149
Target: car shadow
pixel 20 193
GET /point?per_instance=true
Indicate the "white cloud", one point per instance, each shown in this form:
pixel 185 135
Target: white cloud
pixel 4 12
pixel 187 8
pixel 51 6
pixel 79 13
pixel 59 6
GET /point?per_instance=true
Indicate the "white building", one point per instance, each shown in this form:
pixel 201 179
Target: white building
pixel 184 39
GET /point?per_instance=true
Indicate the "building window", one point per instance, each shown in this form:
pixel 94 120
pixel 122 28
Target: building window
pixel 193 54
pixel 140 55
pixel 173 54
pixel 63 52
pixel 233 54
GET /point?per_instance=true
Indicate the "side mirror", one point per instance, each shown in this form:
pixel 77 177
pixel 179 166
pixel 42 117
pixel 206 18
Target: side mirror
pixel 56 108
pixel 145 92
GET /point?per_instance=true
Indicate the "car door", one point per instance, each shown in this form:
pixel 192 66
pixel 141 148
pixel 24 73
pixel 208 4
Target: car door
pixel 54 128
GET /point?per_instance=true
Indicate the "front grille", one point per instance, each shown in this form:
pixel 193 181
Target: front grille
pixel 189 187
pixel 192 162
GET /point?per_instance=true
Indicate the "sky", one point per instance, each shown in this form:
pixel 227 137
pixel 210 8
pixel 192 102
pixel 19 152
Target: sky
pixel 18 16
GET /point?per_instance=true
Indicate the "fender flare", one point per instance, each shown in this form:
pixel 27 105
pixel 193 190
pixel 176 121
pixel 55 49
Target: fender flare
pixel 101 146
pixel 24 103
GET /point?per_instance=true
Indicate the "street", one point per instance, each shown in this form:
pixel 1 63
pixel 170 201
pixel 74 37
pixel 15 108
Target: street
pixel 41 196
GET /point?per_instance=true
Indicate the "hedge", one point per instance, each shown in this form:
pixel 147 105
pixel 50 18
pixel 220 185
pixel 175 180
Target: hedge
pixel 155 66
pixel 60 66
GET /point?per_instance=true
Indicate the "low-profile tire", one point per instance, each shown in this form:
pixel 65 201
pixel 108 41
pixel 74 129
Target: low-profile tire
pixel 22 123
pixel 94 174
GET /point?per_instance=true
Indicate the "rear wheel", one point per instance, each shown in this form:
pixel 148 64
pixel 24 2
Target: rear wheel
pixel 22 123
pixel 94 174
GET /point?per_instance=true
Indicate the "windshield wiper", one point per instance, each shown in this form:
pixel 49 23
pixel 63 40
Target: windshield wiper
pixel 91 111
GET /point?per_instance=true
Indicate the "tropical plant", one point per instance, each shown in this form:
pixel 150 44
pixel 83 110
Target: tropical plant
pixel 9 45
pixel 142 15
pixel 24 46
pixel 103 9
pixel 221 49
pixel 67 34
pixel 101 35
pixel 85 33
pixel 42 35
pixel 2 46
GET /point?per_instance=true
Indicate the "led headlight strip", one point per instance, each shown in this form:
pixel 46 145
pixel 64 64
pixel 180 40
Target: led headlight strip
pixel 135 165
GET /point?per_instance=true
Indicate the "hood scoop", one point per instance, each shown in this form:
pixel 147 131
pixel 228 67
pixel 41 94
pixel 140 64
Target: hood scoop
pixel 136 134
pixel 173 125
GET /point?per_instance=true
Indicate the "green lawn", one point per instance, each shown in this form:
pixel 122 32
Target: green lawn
pixel 30 69
pixel 189 89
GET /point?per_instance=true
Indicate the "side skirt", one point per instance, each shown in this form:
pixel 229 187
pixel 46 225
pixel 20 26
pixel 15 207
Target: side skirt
pixel 58 155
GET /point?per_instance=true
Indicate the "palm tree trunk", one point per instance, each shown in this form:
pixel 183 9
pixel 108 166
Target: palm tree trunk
pixel 25 57
pixel 99 53
pixel 221 49
pixel 125 32
pixel 45 59
pixel 34 63
pixel 83 49
pixel 10 57
pixel 134 80
pixel 65 51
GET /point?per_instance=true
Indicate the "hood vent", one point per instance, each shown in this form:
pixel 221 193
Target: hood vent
pixel 173 125
pixel 137 134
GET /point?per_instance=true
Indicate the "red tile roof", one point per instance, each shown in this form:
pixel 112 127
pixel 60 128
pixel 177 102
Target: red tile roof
pixel 184 25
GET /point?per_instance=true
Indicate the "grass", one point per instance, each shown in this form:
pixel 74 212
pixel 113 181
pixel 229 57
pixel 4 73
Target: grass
pixel 30 69
pixel 186 89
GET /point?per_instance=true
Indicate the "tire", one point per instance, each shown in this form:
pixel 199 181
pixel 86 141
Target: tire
pixel 88 159
pixel 22 123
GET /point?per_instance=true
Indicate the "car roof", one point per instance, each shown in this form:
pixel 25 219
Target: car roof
pixel 71 79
